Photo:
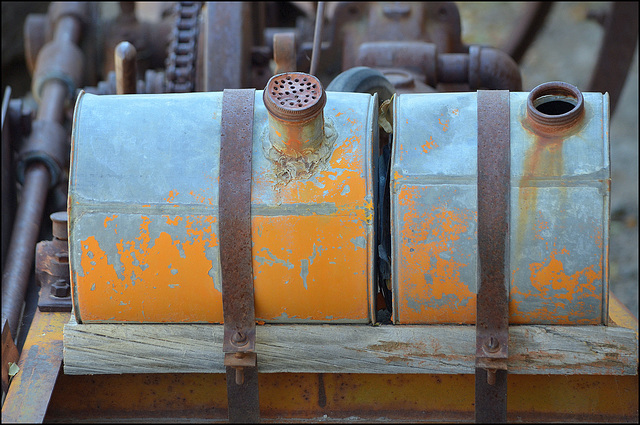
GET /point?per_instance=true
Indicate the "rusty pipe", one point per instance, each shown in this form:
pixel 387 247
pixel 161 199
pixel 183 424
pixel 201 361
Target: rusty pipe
pixel 481 67
pixel 53 92
pixel 23 241
pixel 493 69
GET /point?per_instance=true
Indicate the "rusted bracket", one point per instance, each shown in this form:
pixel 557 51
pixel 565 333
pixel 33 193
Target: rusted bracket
pixel 492 316
pixel 238 307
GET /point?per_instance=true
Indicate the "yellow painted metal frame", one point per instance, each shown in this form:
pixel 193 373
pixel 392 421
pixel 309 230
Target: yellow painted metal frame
pixel 288 396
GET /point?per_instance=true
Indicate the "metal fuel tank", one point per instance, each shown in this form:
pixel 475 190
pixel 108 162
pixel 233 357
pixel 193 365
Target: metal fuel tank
pixel 143 208
pixel 559 208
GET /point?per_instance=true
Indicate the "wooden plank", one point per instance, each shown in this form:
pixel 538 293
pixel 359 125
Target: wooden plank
pixel 197 348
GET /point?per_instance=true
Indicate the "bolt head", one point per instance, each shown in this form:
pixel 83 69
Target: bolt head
pixel 60 288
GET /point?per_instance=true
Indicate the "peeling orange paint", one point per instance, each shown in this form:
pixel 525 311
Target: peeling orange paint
pixel 445 124
pixel 429 144
pixel 108 219
pixel 430 287
pixel 156 282
pixel 172 194
pixel 551 284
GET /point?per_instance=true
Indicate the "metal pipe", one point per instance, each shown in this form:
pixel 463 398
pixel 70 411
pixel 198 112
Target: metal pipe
pixel 23 241
pixel 34 192
pixel 317 39
pixel 68 29
pixel 51 108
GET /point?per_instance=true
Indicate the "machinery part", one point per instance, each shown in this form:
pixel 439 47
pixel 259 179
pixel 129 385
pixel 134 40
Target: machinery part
pixel 560 178
pixel 362 79
pixel 492 317
pixel 52 267
pixel 180 67
pixel 284 52
pixel 36 29
pixel 126 71
pixel 226 46
pixel 236 144
pixel 47 144
pixel 482 67
pixel 53 88
pixel 317 39
pixel 616 51
pixel 23 240
pixel 492 69
pixel 9 199
pixel 10 355
pixel 526 29
pixel 354 23
pixel 156 203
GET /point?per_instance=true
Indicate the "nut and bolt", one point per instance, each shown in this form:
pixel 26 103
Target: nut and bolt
pixel 239 338
pixel 492 345
pixel 60 289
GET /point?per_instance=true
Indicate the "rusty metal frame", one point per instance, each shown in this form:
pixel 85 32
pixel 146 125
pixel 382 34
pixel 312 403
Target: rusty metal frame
pixel 238 306
pixel 492 319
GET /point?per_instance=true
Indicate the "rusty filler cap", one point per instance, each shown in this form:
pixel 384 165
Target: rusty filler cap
pixel 555 105
pixel 294 97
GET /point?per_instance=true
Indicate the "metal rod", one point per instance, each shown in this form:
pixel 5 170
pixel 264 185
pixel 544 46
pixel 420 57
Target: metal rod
pixel 317 39
pixel 26 228
pixel 23 241
pixel 125 64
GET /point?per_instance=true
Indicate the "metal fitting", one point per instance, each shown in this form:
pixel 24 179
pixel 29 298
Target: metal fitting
pixel 296 122
pixel 58 60
pixel 46 144
pixel 60 288
pixel 59 225
pixel 555 106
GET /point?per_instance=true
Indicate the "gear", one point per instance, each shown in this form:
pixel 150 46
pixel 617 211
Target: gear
pixel 180 65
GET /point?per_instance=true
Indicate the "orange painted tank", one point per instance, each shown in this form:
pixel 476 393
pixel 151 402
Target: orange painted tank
pixel 559 222
pixel 143 213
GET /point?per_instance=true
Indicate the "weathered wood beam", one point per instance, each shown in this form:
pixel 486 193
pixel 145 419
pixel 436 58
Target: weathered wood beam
pixel 197 348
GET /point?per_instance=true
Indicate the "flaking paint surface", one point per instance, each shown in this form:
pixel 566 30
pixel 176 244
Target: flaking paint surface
pixel 158 261
pixel 558 204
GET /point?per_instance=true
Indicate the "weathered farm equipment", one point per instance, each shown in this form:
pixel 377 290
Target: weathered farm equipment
pixel 301 211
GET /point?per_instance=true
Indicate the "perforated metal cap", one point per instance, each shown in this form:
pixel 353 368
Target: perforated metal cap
pixel 294 96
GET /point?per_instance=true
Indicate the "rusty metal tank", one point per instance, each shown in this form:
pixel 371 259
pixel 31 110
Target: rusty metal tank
pixel 143 211
pixel 559 213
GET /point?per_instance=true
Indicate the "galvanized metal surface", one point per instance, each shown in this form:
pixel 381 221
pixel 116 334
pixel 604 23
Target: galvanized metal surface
pixel 144 232
pixel 492 316
pixel 559 213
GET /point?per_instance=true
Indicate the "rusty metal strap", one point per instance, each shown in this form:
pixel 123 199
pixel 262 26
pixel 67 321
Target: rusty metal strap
pixel 492 316
pixel 238 307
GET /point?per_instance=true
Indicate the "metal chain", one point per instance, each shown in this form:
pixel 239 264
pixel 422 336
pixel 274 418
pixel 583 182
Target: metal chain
pixel 180 65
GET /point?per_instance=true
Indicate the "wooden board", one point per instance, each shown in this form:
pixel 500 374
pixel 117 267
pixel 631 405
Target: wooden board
pixel 197 348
